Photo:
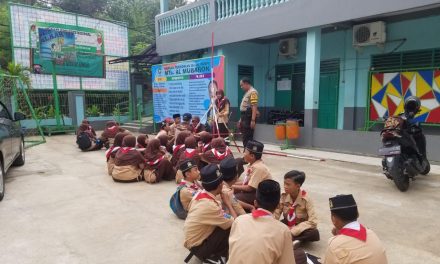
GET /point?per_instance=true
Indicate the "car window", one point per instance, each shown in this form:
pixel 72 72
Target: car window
pixel 4 112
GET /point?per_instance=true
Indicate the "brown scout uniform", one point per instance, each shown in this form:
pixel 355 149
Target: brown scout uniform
pixel 187 192
pixel 347 249
pixel 256 173
pixel 127 162
pixel 235 204
pixel 203 217
pixel 260 240
pixel 304 212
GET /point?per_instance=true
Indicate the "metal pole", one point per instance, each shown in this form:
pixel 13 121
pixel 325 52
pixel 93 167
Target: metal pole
pixel 55 94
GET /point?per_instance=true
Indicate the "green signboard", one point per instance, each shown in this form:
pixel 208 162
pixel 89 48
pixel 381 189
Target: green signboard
pixel 75 51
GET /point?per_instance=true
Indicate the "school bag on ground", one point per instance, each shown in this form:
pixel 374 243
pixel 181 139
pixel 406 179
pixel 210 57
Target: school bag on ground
pixel 83 141
pixel 176 204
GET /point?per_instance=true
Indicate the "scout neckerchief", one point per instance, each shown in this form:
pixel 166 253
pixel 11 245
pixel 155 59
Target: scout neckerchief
pixel 125 150
pixel 221 156
pixel 154 162
pixel 358 231
pixel 193 186
pixel 257 213
pixel 177 148
pixel 206 146
pixel 203 195
pixel 189 153
pixel 291 215
pixel 110 151
pixel 248 176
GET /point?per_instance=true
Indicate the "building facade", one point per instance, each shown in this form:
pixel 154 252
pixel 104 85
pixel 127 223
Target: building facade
pixel 339 65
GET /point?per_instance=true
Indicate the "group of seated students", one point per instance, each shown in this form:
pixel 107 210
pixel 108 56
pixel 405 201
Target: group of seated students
pixel 232 220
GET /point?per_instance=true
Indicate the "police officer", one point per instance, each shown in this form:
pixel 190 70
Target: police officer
pixel 248 110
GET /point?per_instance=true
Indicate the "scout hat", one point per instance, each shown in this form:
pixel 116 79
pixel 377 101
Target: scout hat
pixel 228 167
pixel 255 146
pixel 176 116
pixel 342 201
pixel 211 175
pixel 187 117
pixel 186 165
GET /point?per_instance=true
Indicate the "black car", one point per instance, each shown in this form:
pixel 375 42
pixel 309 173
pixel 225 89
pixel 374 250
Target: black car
pixel 11 144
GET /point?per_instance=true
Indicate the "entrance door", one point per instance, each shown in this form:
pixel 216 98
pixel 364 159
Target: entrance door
pixel 298 87
pixel 328 100
pixel 244 71
pixel 283 86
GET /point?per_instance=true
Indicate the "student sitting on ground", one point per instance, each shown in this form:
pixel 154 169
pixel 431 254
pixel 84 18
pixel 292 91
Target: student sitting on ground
pixel 179 148
pixel 207 227
pixel 205 139
pixel 163 139
pixel 352 242
pixel 165 128
pixel 172 132
pixel 158 167
pixel 129 163
pixel 111 152
pixel 185 125
pixel 86 138
pixel 258 237
pixel 228 168
pixel 190 151
pixel 142 142
pixel 108 135
pixel 256 172
pixel 189 184
pixel 196 125
pixel 218 152
pixel 297 209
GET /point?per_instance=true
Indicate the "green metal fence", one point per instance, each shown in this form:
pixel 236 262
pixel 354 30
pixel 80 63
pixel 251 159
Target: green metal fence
pixel 14 94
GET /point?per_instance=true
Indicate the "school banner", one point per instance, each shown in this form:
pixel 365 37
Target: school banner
pixel 76 51
pixel 389 91
pixel 186 86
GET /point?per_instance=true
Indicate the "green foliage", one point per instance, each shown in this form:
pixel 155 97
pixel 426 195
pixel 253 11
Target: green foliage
pixel 117 111
pixel 18 70
pixel 93 110
pixel 85 7
pixel 43 112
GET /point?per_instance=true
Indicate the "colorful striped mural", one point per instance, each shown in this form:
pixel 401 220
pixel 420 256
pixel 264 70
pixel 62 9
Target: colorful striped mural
pixel 389 90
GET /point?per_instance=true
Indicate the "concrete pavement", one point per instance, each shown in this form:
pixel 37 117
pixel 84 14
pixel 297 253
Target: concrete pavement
pixel 61 207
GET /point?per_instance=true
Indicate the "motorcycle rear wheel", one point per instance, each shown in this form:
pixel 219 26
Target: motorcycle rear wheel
pixel 427 167
pixel 401 180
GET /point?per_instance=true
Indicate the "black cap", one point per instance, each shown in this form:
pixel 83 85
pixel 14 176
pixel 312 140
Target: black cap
pixel 255 146
pixel 210 174
pixel 342 201
pixel 187 117
pixel 176 115
pixel 228 167
pixel 186 165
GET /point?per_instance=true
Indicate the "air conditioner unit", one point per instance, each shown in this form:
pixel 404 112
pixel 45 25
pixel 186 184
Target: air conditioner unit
pixel 287 47
pixel 369 34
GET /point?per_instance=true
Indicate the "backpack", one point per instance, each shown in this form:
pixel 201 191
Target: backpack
pixel 83 141
pixel 176 204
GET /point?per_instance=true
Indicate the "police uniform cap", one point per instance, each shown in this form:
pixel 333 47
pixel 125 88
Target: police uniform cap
pixel 342 201
pixel 186 165
pixel 228 167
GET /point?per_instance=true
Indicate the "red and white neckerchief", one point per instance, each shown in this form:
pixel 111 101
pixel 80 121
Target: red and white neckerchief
pixel 111 151
pixel 355 230
pixel 177 148
pixel 206 146
pixel 125 150
pixel 189 153
pixel 112 128
pixel 291 215
pixel 193 187
pixel 203 195
pixel 221 156
pixel 248 176
pixel 154 162
pixel 261 213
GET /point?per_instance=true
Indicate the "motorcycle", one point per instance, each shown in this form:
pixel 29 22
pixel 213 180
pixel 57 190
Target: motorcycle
pixel 402 157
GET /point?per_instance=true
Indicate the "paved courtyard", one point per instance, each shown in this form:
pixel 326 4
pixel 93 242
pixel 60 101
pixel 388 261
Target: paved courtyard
pixel 62 207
